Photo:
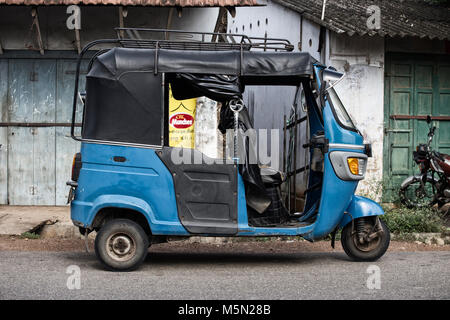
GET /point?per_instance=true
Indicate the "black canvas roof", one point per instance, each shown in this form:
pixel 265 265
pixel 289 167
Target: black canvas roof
pixel 247 64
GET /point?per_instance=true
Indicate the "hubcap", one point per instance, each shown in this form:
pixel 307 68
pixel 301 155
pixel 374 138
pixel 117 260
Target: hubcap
pixel 363 244
pixel 120 247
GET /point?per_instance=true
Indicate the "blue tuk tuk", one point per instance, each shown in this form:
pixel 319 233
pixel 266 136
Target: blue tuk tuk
pixel 127 186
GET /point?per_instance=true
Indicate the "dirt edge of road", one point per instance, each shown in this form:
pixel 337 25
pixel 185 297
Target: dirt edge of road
pixel 17 243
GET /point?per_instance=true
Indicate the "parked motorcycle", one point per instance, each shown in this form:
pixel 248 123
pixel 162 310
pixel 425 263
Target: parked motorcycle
pixel 432 185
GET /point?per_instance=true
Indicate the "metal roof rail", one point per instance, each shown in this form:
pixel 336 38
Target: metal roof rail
pixel 192 40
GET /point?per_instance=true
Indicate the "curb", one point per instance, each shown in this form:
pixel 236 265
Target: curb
pixel 64 230
pixel 67 230
pixel 426 238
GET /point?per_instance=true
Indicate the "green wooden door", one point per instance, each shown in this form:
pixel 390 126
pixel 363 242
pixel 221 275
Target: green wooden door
pixel 415 86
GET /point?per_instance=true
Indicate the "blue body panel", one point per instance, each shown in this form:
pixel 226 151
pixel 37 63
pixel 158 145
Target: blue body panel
pixel 141 183
pixel 144 184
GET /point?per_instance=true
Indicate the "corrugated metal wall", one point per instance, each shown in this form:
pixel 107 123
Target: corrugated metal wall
pixel 35 161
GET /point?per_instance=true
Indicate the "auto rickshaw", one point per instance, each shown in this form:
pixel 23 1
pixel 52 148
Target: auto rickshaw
pixel 126 185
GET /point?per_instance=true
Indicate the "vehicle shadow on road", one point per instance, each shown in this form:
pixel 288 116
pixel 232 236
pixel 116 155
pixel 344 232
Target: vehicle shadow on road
pixel 244 258
pixel 219 257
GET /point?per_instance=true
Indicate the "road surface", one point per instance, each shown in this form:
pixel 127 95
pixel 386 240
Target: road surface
pixel 227 275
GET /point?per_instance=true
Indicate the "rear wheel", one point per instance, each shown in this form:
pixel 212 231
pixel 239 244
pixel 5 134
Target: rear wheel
pixel 368 241
pixel 121 245
pixel 416 195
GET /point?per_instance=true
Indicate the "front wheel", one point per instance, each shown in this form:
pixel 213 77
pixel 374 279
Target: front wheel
pixel 366 239
pixel 121 245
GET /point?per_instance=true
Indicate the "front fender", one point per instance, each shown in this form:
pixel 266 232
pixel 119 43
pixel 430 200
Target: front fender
pixel 360 207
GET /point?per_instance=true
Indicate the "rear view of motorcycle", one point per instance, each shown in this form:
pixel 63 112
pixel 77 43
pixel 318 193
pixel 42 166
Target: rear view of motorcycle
pixel 432 185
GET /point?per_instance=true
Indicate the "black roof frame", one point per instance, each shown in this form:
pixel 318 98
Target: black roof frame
pixel 242 70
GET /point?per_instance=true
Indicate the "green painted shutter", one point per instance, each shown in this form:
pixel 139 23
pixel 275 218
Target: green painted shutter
pixel 415 85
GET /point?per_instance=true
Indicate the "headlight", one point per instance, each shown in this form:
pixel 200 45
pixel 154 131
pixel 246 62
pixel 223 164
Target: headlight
pixel 348 165
pixel 357 166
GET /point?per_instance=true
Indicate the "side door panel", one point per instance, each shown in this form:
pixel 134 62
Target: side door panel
pixel 206 193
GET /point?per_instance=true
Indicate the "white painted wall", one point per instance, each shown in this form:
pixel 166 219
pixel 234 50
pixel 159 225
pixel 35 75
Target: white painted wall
pixel 362 58
pixel 362 92
pixel 273 19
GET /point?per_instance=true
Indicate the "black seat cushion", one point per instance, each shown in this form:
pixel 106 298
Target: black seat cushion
pixel 271 176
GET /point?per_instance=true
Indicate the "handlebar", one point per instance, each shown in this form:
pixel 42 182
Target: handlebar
pixel 431 134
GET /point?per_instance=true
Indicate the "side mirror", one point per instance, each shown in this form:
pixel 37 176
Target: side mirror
pixel 332 77
pixel 428 119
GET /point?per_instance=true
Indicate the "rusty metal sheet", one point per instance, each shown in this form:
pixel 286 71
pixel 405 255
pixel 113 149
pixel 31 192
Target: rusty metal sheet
pixel 31 151
pixel 3 131
pixel 66 147
pixel 35 109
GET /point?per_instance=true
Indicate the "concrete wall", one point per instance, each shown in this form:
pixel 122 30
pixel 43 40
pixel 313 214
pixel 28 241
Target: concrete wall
pixel 416 45
pixel 96 22
pixel 362 91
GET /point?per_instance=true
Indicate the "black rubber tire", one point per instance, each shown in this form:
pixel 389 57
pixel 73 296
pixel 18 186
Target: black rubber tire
pixel 134 231
pixel 413 203
pixel 356 254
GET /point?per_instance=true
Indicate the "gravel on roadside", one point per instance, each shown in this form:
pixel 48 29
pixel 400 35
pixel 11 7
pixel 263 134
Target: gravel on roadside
pixel 17 243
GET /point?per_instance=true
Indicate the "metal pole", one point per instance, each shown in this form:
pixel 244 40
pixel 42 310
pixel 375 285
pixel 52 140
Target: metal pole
pixel 295 161
pixel 284 143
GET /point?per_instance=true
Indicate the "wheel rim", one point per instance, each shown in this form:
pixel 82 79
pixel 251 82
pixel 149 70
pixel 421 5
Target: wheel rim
pixel 120 246
pixel 366 246
pixel 418 196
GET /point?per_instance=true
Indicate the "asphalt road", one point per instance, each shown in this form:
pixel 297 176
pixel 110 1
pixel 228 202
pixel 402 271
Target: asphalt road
pixel 165 275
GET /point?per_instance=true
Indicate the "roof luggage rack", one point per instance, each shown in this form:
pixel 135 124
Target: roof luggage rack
pixel 204 41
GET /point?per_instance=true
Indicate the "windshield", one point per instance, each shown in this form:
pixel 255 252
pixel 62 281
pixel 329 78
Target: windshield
pixel 339 111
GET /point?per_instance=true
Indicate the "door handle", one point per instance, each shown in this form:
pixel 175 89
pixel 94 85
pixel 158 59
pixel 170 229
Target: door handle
pixel 119 159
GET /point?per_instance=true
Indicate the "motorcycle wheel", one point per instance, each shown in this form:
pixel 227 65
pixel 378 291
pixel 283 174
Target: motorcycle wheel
pixel 414 195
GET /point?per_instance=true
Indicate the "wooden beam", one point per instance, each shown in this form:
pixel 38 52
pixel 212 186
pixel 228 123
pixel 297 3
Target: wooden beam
pixel 123 12
pixel 34 14
pixel 221 24
pixel 179 11
pixel 169 22
pixel 232 11
pixel 78 40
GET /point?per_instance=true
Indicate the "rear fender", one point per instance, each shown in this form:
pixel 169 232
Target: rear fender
pixel 120 201
pixel 360 207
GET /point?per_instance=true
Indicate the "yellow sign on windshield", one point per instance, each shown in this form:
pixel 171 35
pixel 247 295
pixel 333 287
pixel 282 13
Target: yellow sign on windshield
pixel 181 122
